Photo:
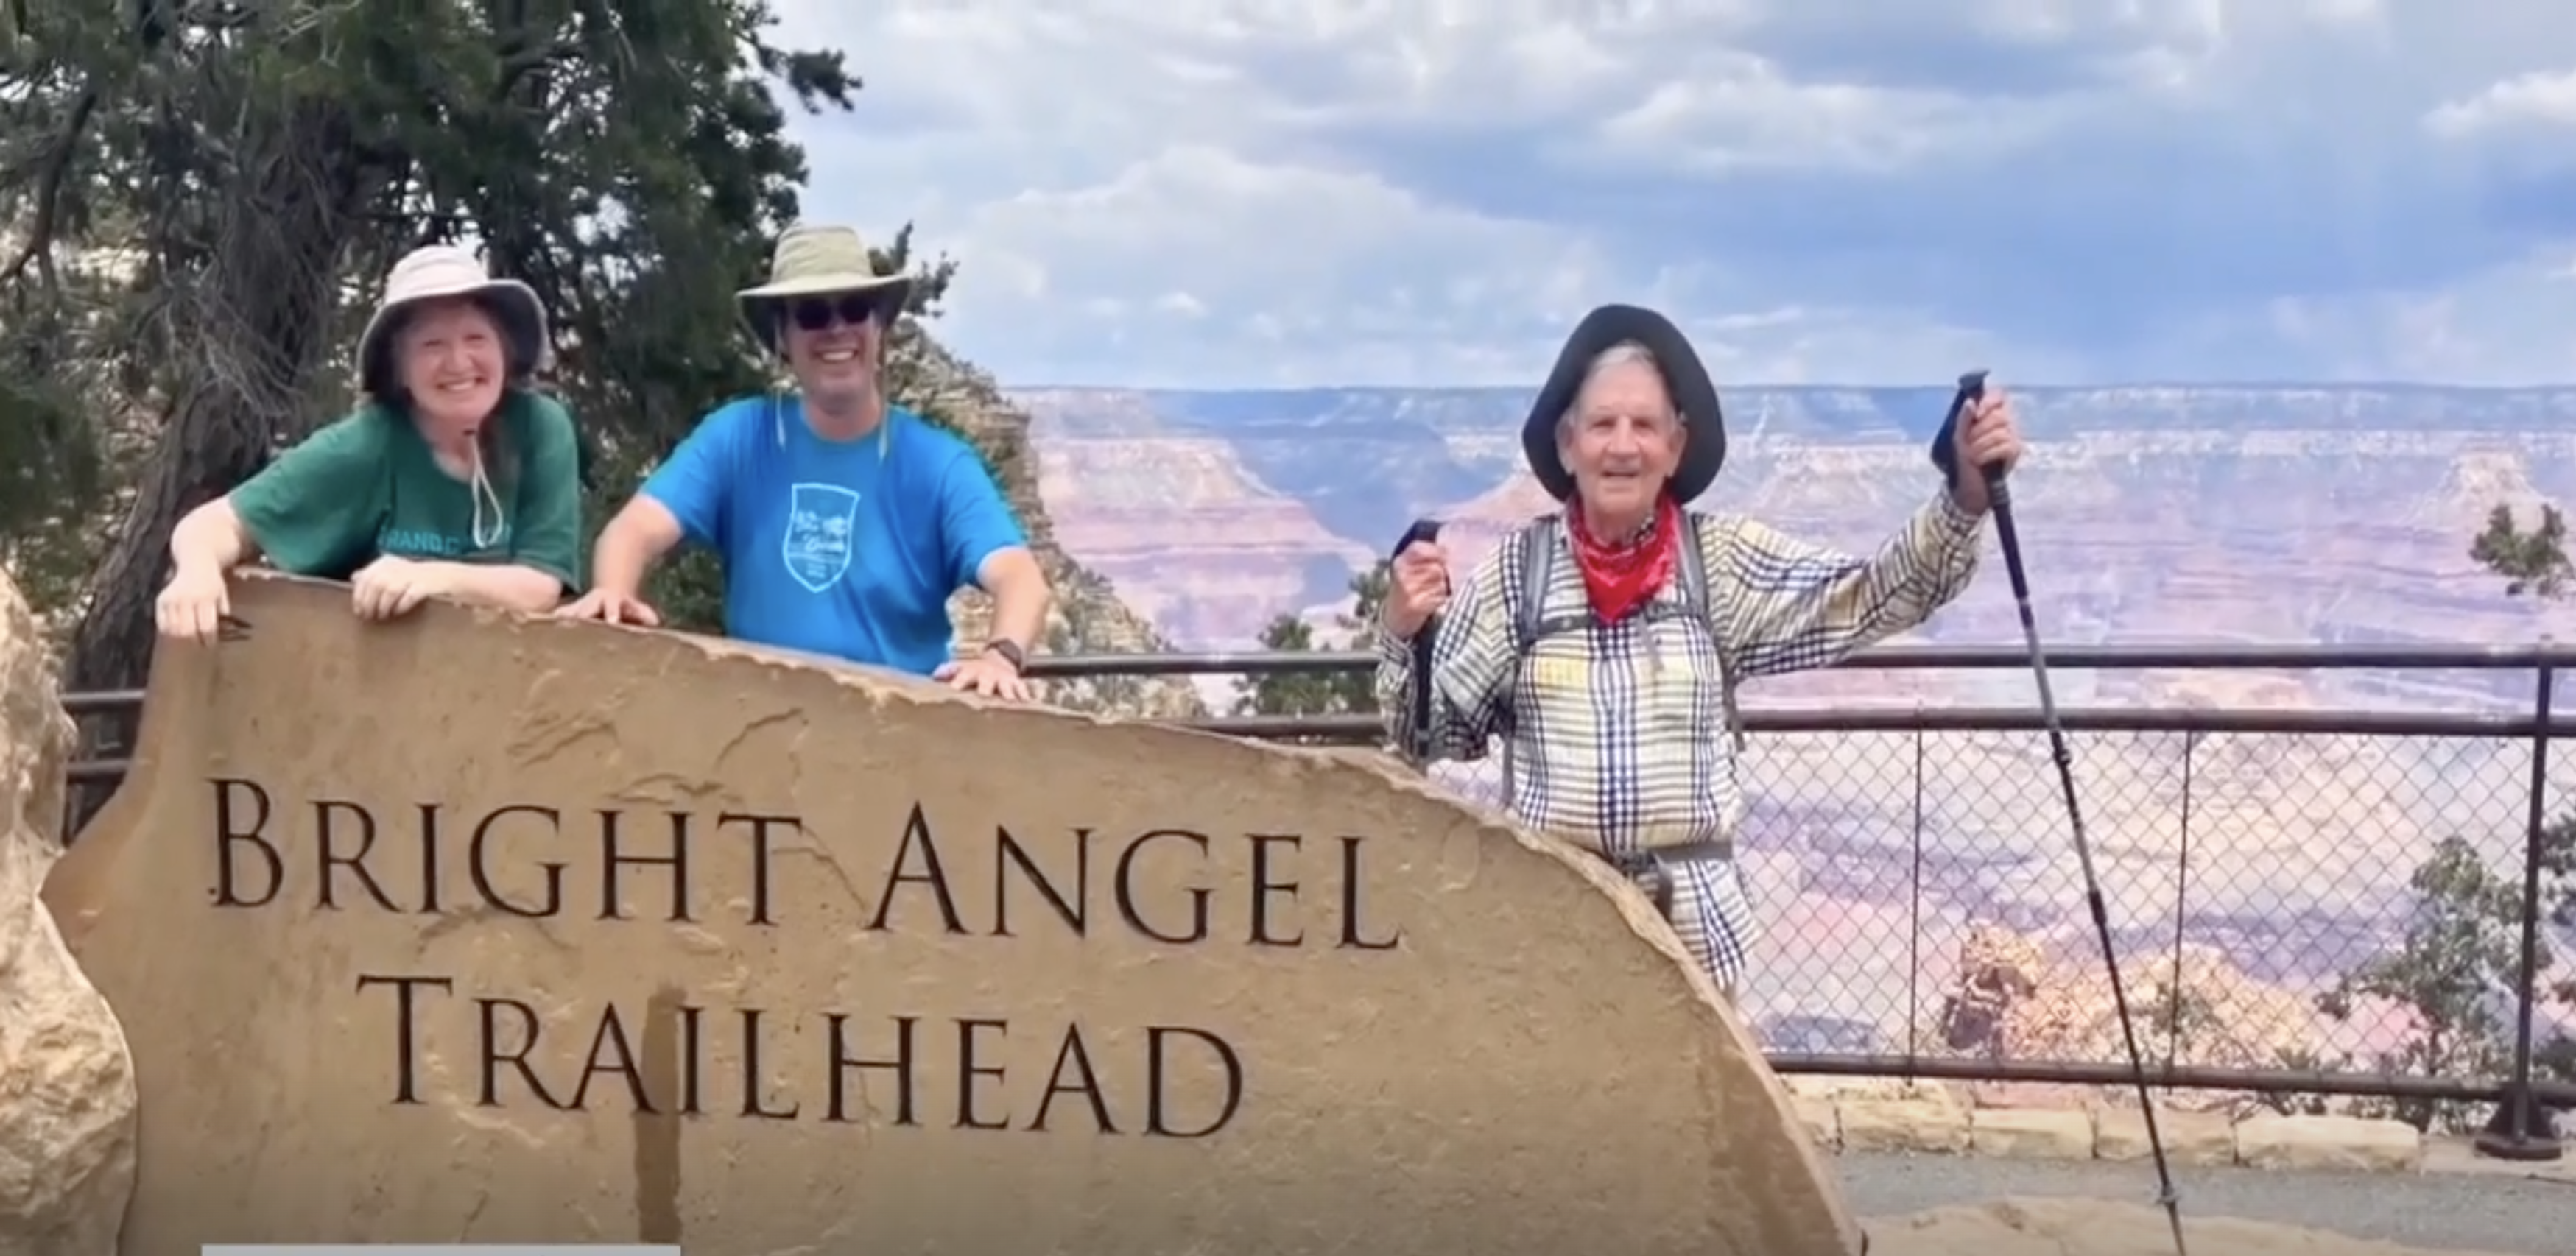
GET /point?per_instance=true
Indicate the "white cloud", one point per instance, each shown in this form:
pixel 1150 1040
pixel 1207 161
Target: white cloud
pixel 1297 275
pixel 2509 324
pixel 2543 99
pixel 1284 259
pixel 1751 115
pixel 1309 191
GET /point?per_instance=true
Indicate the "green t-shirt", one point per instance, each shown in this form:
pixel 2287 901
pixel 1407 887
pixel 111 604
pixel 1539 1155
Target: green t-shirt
pixel 369 486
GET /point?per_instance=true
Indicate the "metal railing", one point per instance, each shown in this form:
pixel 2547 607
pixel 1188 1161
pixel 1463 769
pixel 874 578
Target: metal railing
pixel 2347 909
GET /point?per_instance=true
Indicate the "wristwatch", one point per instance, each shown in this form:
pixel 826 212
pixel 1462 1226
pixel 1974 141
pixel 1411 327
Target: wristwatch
pixel 1010 653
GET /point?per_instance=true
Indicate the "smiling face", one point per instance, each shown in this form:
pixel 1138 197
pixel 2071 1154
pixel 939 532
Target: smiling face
pixel 1622 440
pixel 453 361
pixel 832 345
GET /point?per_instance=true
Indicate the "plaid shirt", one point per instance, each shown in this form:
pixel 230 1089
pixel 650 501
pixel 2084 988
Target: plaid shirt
pixel 1618 732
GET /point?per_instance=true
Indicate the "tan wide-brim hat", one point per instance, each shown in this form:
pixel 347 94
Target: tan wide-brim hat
pixel 439 272
pixel 817 262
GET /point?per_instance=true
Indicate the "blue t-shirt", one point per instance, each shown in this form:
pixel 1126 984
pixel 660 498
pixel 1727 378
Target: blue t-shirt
pixel 843 548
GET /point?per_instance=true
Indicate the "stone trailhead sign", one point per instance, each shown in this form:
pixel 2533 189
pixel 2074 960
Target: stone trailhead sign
pixel 477 929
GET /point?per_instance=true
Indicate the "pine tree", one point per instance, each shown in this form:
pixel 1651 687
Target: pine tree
pixel 1320 693
pixel 2462 944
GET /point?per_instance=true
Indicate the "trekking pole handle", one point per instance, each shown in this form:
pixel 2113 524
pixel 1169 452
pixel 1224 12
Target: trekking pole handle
pixel 1422 531
pixel 1972 389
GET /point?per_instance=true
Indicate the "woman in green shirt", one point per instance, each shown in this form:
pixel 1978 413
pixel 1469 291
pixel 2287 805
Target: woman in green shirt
pixel 455 479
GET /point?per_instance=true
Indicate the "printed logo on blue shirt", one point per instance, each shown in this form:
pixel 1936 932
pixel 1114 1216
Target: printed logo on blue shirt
pixel 821 521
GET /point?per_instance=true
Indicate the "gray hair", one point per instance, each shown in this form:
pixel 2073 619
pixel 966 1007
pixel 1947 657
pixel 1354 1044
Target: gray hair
pixel 1620 354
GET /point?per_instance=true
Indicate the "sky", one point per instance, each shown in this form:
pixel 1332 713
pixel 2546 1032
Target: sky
pixel 1259 193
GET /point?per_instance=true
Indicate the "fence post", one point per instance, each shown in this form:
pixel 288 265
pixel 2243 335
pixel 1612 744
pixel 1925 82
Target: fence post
pixel 1914 918
pixel 2521 1129
pixel 2182 906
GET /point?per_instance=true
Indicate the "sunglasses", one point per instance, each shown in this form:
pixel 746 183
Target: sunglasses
pixel 818 313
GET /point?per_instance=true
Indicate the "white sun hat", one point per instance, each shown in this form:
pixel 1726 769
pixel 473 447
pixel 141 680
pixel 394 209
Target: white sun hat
pixel 439 271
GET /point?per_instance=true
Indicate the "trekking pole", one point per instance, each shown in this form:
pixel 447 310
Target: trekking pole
pixel 1419 692
pixel 1972 387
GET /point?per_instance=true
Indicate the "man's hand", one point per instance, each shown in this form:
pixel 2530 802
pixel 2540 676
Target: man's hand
pixel 1987 435
pixel 1417 589
pixel 391 587
pixel 612 607
pixel 988 674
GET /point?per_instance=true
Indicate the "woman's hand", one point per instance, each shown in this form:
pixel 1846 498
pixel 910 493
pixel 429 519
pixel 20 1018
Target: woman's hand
pixel 391 587
pixel 193 605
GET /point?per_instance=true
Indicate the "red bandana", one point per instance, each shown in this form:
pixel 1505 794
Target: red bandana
pixel 1621 575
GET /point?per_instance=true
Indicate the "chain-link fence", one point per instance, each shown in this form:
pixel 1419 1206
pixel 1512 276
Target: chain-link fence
pixel 2302 901
pixel 2280 902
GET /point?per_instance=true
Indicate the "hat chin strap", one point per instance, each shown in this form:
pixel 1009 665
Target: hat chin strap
pixel 480 484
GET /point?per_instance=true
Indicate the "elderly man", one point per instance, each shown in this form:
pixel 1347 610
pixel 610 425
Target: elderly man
pixel 844 522
pixel 1603 644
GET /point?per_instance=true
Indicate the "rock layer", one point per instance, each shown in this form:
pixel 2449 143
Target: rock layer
pixel 1251 552
pixel 67 1120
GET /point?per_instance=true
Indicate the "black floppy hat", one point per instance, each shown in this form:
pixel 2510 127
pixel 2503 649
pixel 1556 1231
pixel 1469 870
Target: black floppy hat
pixel 1694 394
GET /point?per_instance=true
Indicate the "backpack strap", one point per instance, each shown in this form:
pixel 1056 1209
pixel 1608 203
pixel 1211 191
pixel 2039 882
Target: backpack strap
pixel 1538 567
pixel 1539 547
pixel 1539 559
pixel 1696 595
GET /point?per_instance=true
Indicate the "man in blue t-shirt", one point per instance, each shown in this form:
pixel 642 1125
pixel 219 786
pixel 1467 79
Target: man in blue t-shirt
pixel 844 523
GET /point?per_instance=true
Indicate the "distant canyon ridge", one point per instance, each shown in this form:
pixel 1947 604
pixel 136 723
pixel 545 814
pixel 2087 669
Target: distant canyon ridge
pixel 2150 514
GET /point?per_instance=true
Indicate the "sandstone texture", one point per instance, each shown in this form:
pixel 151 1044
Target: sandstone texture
pixel 1917 1119
pixel 2032 1133
pixel 67 1099
pixel 408 959
pixel 2191 1137
pixel 1892 1116
pixel 2087 1227
pixel 2328 1142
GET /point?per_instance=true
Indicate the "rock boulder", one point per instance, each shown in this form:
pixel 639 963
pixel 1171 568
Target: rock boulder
pixel 480 929
pixel 67 1118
